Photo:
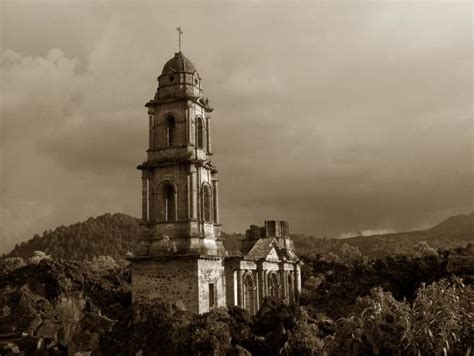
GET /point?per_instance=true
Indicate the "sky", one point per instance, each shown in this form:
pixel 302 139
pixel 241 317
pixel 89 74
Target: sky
pixel 343 118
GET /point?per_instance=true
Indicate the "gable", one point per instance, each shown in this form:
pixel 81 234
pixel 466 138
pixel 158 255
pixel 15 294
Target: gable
pixel 272 255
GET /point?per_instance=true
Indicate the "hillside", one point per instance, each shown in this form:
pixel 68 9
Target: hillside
pixel 115 235
pixel 106 235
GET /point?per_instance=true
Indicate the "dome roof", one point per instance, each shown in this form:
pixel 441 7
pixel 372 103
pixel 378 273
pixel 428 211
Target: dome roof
pixel 179 63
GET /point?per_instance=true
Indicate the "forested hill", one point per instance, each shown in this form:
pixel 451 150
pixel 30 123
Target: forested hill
pixel 105 235
pixel 115 235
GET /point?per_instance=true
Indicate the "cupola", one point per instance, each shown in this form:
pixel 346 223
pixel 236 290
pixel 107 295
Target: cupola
pixel 178 79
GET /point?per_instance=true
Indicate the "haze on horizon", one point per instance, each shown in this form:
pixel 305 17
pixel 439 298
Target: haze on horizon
pixel 341 117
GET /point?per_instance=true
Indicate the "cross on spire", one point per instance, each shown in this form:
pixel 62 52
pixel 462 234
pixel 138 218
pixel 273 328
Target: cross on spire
pixel 180 32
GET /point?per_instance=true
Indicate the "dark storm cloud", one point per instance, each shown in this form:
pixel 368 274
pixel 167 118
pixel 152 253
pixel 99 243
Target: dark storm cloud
pixel 343 118
pixel 98 147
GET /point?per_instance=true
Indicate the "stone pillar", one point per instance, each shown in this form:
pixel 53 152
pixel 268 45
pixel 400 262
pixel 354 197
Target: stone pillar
pixel 215 188
pixel 193 192
pixel 152 203
pixel 265 284
pixel 208 134
pixel 189 135
pixel 297 281
pixel 151 130
pixel 199 200
pixel 256 291
pixel 260 284
pixel 144 199
pixel 283 283
pixel 240 289
pixel 189 195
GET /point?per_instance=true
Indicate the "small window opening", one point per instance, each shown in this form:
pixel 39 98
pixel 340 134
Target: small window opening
pixel 169 200
pixel 207 204
pixel 200 133
pixel 212 295
pixel 170 131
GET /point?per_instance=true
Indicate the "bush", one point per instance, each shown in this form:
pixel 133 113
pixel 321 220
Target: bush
pixel 69 311
pixel 442 318
pixel 376 327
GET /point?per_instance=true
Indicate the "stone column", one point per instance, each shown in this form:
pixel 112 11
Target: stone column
pixel 152 203
pixel 297 281
pixel 215 189
pixel 188 120
pixel 260 284
pixel 265 283
pixel 239 288
pixel 193 192
pixel 208 134
pixel 144 199
pixel 189 195
pixel 199 200
pixel 150 131
pixel 283 289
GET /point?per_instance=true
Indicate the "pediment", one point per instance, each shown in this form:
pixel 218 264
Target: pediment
pixel 272 255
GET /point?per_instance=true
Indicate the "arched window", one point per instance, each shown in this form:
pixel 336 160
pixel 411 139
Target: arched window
pixel 169 202
pixel 206 203
pixel 291 289
pixel 170 131
pixel 273 286
pixel 249 294
pixel 199 133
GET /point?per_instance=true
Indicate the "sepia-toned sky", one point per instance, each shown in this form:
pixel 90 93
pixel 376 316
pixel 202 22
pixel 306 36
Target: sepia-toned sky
pixel 343 118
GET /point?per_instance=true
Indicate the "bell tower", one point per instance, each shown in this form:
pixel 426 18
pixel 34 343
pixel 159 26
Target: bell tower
pixel 179 181
pixel 181 258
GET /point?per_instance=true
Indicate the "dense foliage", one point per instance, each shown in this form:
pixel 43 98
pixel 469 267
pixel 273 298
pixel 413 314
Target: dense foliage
pixel 440 320
pixel 418 300
pixel 332 286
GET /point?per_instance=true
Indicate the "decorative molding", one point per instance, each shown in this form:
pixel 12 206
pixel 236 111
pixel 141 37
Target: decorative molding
pixel 209 275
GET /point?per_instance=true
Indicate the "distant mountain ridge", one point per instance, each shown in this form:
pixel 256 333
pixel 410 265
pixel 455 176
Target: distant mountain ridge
pixel 461 226
pixel 458 226
pixel 116 234
pixel 452 232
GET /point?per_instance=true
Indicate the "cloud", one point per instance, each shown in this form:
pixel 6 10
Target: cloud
pixel 340 118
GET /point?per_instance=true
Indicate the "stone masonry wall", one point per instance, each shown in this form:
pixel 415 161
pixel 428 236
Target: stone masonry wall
pixel 169 279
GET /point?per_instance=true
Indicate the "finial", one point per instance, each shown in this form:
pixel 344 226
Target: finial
pixel 180 32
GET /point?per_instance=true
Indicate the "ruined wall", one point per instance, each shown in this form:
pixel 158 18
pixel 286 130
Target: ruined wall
pixel 211 271
pixel 170 279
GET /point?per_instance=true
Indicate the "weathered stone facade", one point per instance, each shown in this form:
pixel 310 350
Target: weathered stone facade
pixel 183 257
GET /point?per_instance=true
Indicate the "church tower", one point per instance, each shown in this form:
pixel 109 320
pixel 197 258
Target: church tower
pixel 182 256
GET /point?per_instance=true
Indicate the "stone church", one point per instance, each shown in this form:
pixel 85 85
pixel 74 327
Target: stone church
pixel 183 257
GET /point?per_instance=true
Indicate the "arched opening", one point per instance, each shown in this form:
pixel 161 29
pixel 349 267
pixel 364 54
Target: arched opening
pixel 169 206
pixel 212 295
pixel 273 286
pixel 291 293
pixel 199 133
pixel 249 294
pixel 206 203
pixel 170 131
